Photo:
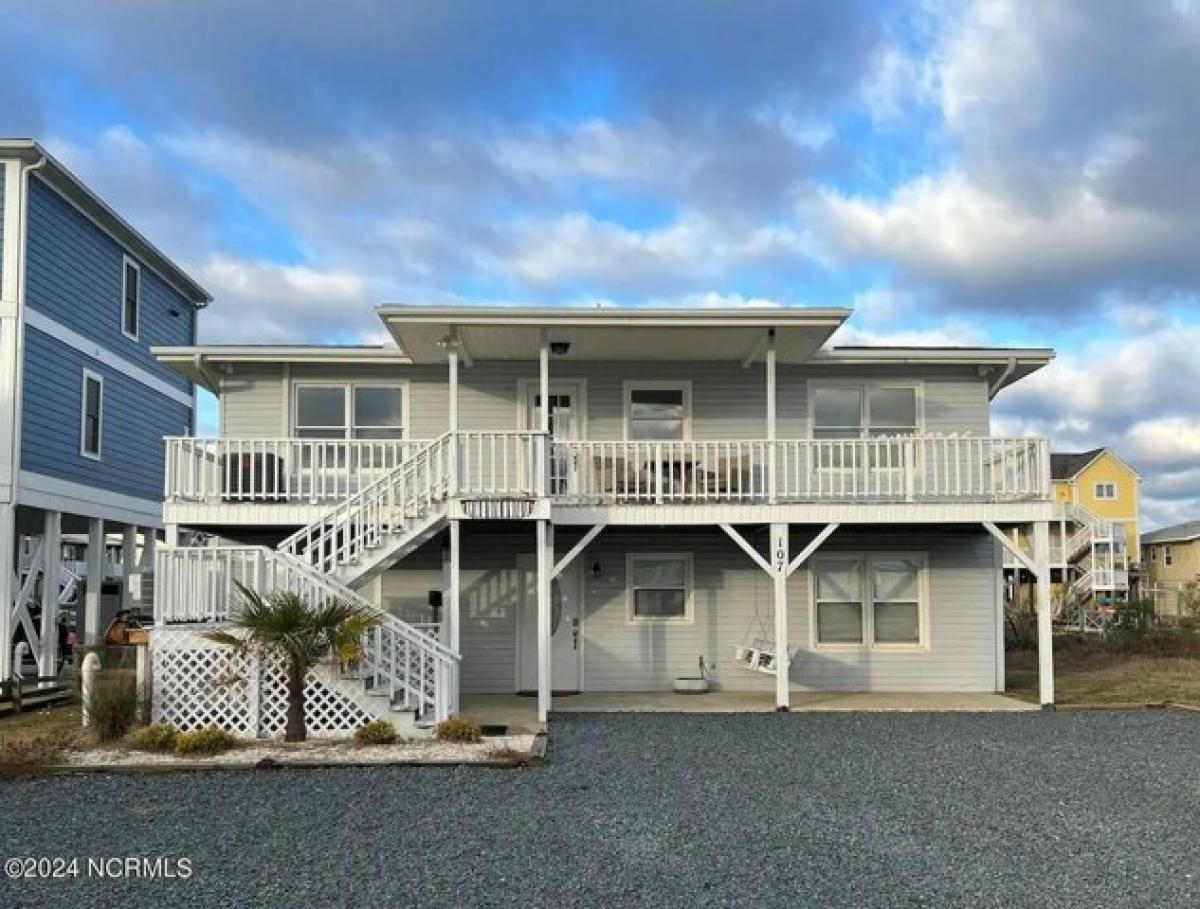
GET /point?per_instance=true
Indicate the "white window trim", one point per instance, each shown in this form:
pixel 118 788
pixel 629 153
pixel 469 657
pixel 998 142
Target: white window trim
pixel 1102 498
pixel 99 452
pixel 126 261
pixel 631 386
pixel 1168 556
pixel 688 617
pixel 868 643
pixel 348 403
pixel 865 385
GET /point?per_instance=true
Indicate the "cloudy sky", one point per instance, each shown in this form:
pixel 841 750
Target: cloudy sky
pixel 959 172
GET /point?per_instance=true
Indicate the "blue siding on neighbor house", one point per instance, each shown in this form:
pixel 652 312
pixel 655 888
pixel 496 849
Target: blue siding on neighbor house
pixel 74 275
pixel 134 420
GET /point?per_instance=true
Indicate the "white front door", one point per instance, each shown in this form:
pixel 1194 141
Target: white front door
pixel 566 627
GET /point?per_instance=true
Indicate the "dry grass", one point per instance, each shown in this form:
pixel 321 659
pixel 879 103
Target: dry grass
pixel 32 742
pixel 509 754
pixel 1099 677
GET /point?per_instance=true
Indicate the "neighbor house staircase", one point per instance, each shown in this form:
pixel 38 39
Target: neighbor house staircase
pixel 1097 563
pixel 400 667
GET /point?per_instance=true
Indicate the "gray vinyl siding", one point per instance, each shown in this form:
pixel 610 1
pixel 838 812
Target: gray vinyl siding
pixel 134 421
pixel 728 402
pixel 732 608
pixel 3 186
pixel 74 275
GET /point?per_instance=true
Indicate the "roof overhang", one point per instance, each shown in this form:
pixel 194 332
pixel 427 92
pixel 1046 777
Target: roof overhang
pixel 204 365
pixel 61 179
pixel 1001 366
pixel 494 333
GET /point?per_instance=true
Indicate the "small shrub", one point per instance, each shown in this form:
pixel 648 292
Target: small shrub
pixel 158 737
pixel 509 754
pixel 113 709
pixel 376 732
pixel 459 729
pixel 204 742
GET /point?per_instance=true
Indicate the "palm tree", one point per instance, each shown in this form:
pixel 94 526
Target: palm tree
pixel 284 625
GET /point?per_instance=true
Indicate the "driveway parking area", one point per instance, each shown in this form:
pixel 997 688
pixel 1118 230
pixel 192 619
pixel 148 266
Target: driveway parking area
pixel 1005 809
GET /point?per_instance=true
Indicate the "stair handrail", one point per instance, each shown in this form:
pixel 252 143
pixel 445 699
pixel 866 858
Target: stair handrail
pixel 321 530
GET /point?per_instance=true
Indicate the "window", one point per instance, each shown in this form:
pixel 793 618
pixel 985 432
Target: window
pixel 871 601
pixel 349 411
pixel 131 297
pixel 1168 559
pixel 91 415
pixel 858 411
pixel 657 412
pixel 1153 553
pixel 660 587
pixel 1106 491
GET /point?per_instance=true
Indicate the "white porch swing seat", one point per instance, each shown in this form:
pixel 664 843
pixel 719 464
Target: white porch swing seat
pixel 757 653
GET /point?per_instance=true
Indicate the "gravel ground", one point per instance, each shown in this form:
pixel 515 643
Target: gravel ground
pixel 1068 809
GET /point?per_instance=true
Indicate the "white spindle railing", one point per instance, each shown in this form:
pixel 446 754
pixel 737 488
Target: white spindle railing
pixel 498 464
pixel 893 468
pixel 363 520
pixel 277 470
pixel 196 584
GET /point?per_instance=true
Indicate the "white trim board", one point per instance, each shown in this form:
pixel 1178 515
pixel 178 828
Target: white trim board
pixel 73 339
pixel 40 491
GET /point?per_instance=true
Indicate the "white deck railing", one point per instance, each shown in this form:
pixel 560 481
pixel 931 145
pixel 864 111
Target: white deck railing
pixel 500 464
pixel 197 584
pixel 898 468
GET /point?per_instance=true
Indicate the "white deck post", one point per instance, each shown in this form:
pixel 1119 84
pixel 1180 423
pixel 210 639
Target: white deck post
pixel 545 561
pixel 780 560
pixel 771 410
pixel 1041 558
pixel 171 535
pixel 544 412
pixel 128 564
pixel 452 356
pixel 8 546
pixel 52 567
pixel 95 583
pixel 454 637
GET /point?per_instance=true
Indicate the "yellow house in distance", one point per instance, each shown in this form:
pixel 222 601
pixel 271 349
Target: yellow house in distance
pixel 1173 555
pixel 1103 484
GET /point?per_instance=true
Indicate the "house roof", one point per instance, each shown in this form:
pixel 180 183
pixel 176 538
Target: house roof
pixel 202 364
pixel 1067 465
pixel 426 333
pixel 1176 533
pixel 60 178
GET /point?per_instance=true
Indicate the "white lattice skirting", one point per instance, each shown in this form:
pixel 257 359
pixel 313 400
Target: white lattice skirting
pixel 196 682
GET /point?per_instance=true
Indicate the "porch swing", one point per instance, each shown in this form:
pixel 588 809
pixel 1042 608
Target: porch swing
pixel 757 652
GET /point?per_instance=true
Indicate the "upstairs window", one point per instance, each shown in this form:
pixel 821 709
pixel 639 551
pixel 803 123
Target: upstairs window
pixel 1106 491
pixel 131 298
pixel 1168 558
pixel 91 415
pixel 657 412
pixel 851 411
pixel 349 411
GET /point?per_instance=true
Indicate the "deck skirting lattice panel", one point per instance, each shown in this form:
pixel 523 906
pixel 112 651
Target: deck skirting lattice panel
pixel 196 682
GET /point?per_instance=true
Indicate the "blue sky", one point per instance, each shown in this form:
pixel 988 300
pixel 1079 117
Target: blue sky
pixel 996 172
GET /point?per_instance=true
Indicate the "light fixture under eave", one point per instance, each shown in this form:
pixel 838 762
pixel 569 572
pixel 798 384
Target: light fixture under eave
pixel 560 348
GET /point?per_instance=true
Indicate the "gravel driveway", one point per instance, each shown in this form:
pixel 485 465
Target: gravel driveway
pixel 1068 809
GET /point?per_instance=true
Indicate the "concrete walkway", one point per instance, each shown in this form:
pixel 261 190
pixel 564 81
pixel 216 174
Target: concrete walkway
pixel 520 713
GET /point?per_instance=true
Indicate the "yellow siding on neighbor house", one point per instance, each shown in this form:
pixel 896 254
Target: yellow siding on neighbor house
pixel 1123 509
pixel 1185 563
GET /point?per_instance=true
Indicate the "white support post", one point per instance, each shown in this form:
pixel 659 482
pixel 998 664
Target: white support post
pixel 771 411
pixel 545 559
pixel 128 564
pixel 8 586
pixel 452 357
pixel 544 410
pixel 1041 559
pixel 95 583
pixel 779 574
pixel 453 608
pixel 52 568
pixel 171 535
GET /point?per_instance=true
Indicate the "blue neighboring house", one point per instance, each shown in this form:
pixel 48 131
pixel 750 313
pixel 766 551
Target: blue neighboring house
pixel 84 404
